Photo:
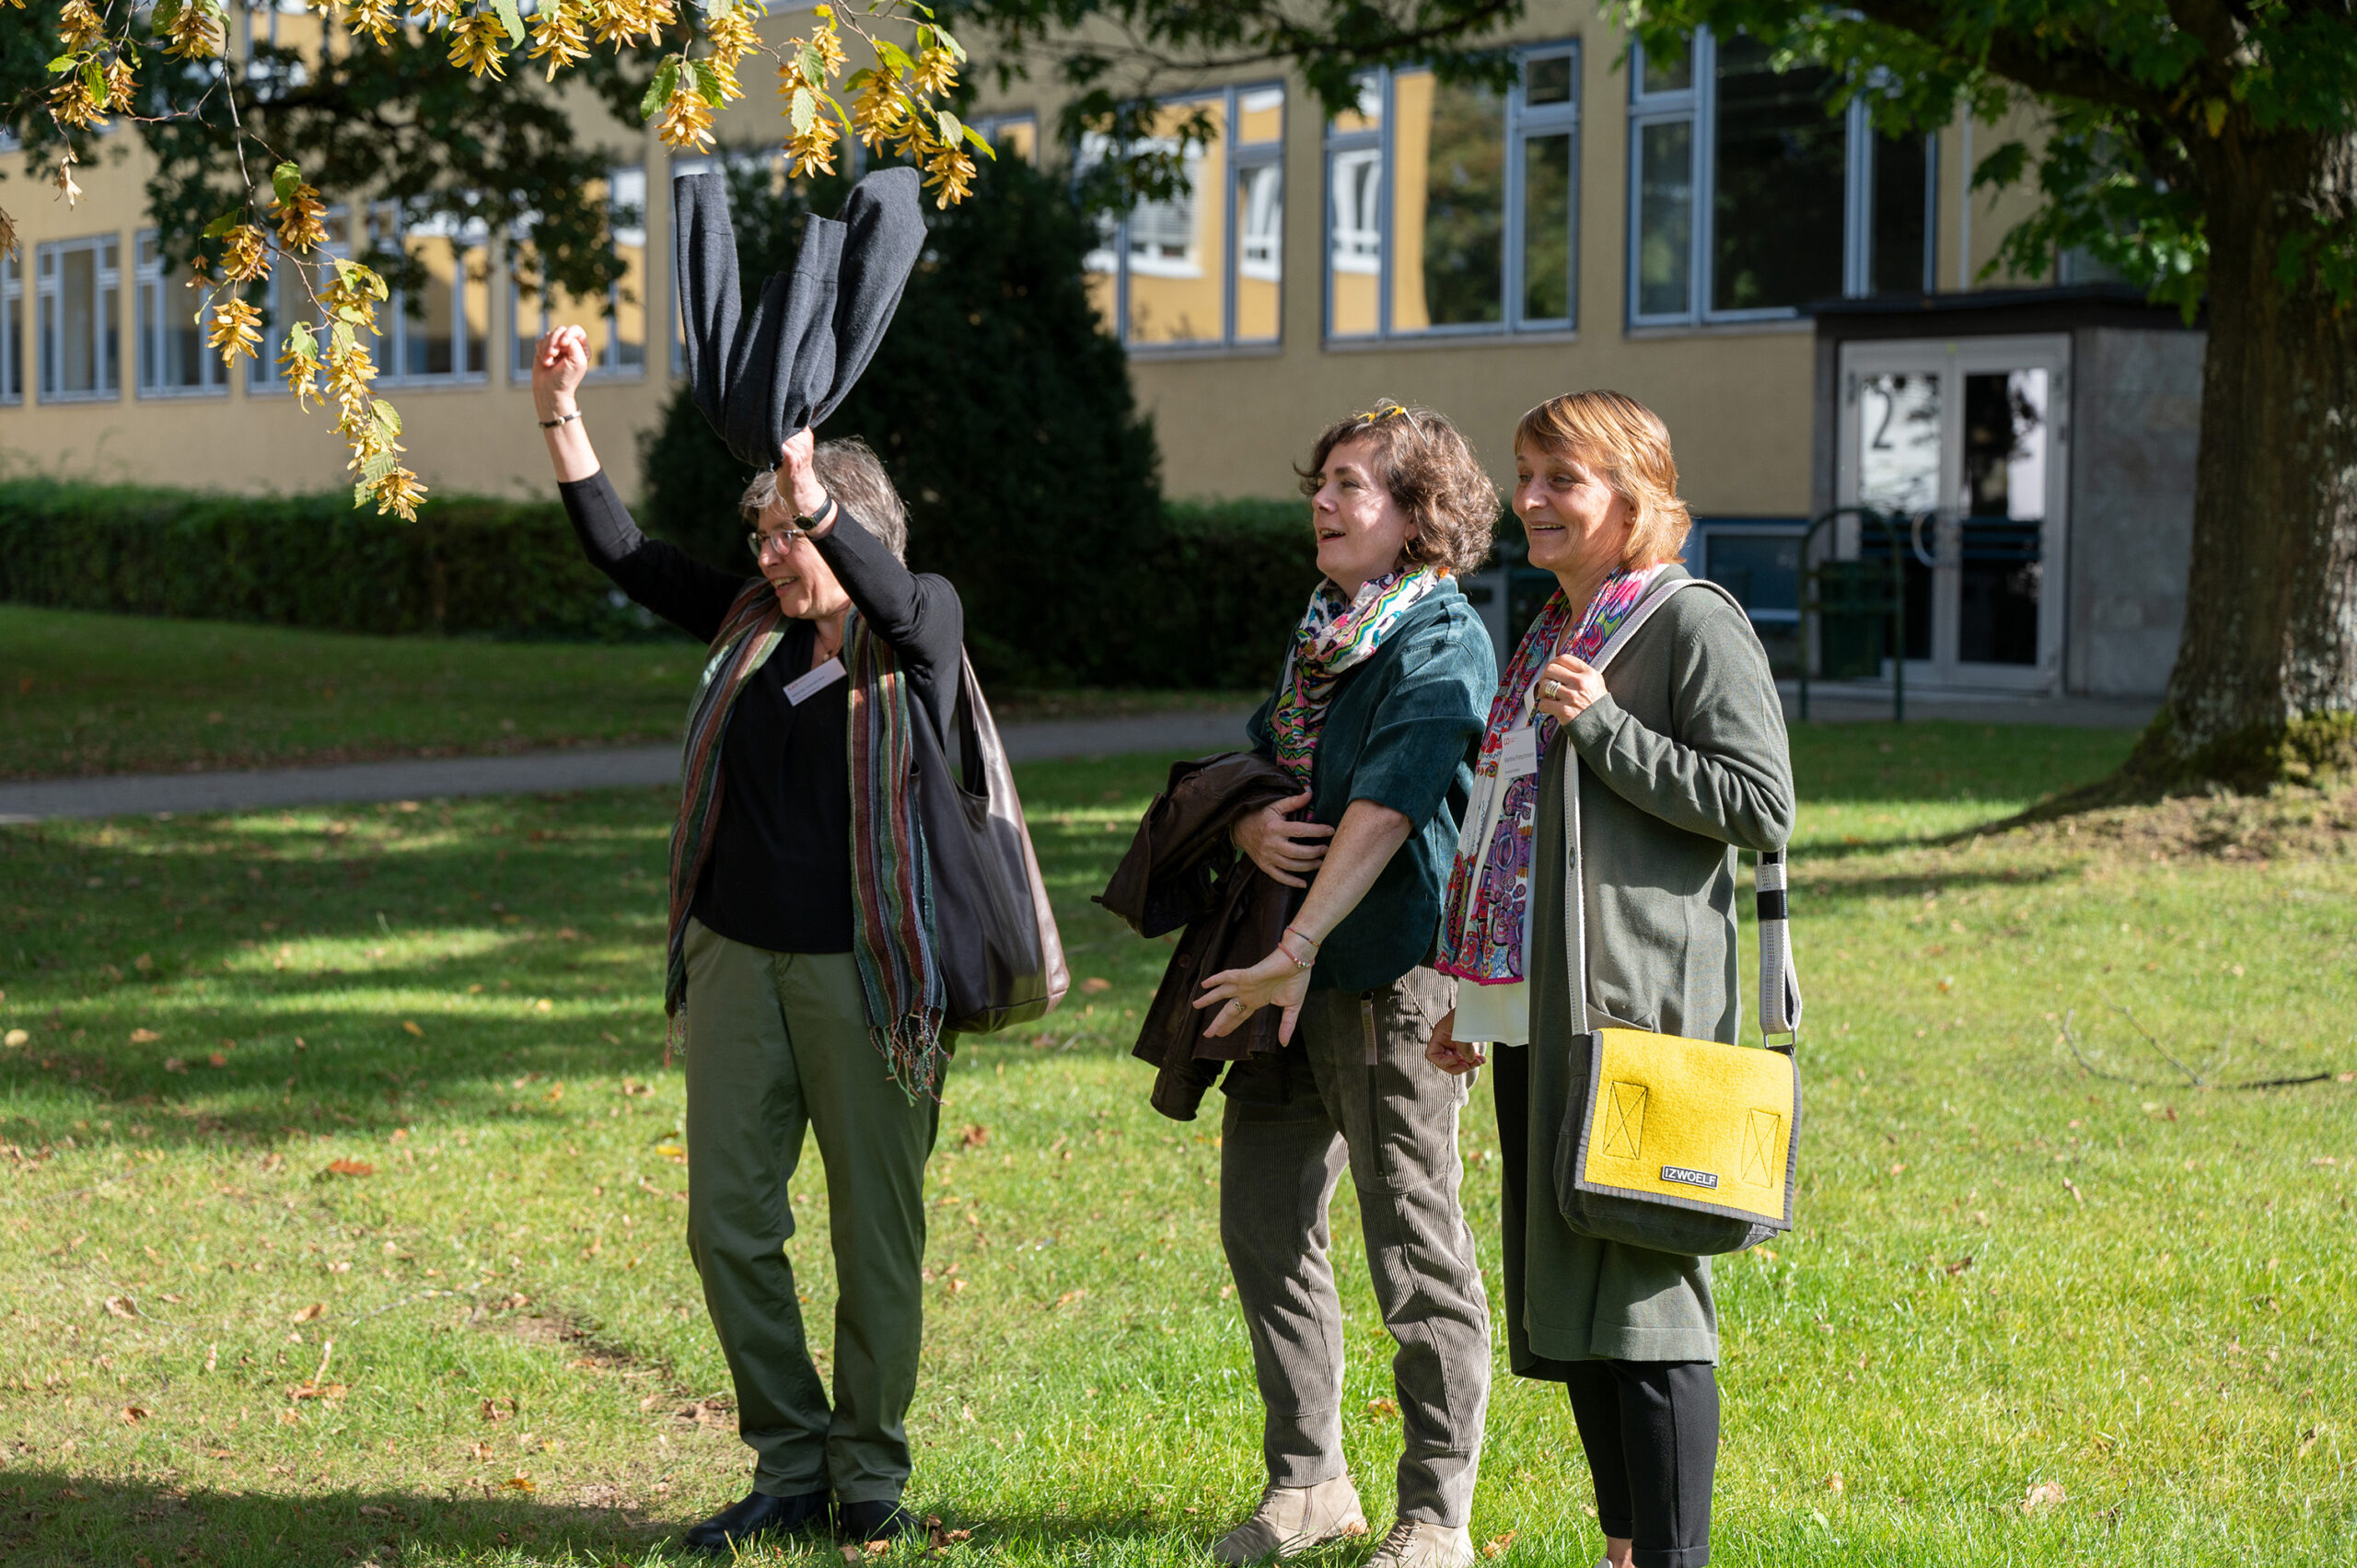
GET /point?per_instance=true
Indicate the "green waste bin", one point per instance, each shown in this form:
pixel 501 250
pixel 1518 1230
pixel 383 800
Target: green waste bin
pixel 1853 602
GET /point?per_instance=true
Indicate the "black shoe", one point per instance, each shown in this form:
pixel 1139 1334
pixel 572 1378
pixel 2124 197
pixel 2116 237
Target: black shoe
pixel 759 1515
pixel 859 1522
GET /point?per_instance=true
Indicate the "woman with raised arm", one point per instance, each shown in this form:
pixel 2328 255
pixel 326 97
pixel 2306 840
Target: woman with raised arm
pixel 802 1002
pixel 1677 750
pixel 1375 717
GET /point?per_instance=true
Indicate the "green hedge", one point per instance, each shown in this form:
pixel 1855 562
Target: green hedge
pixel 467 566
pixel 1205 601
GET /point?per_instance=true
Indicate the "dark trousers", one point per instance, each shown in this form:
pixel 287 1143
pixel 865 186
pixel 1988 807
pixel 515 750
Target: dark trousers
pixel 1651 1429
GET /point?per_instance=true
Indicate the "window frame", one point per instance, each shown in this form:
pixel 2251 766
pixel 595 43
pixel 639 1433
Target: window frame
pixel 1236 157
pixel 469 241
pixel 1696 105
pixel 151 280
pixel 519 366
pixel 1523 125
pixel 12 329
pixel 48 275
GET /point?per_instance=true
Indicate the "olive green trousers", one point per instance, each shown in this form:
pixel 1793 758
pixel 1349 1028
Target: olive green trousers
pixel 777 1042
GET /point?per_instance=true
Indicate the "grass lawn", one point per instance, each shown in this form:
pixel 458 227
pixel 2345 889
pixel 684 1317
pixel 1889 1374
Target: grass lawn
pixel 390 1080
pixel 86 693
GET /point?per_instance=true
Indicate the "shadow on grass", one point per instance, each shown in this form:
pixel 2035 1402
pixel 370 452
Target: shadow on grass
pixel 56 1517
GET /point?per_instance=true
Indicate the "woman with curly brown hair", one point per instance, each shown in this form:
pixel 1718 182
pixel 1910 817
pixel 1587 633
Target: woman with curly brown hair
pixel 1375 716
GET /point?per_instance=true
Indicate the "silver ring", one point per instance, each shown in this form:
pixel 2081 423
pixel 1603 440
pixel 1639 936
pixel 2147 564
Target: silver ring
pixel 1549 690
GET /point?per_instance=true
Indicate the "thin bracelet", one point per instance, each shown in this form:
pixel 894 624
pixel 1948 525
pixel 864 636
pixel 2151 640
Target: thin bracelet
pixel 559 419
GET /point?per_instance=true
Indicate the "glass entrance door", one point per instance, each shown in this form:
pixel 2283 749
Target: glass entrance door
pixel 1963 442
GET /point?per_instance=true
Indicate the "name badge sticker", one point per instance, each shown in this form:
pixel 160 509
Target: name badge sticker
pixel 1519 753
pixel 803 688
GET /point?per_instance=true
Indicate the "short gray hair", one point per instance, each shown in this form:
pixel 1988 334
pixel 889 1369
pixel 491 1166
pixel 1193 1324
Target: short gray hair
pixel 854 475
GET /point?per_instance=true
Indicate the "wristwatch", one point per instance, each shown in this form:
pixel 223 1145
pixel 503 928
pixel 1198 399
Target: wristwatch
pixel 818 519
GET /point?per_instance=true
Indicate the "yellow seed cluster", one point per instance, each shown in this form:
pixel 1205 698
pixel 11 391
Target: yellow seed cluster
pixel 247 254
pixel 378 18
pixel 300 368
pixel 193 33
pixel 301 220
pixel 435 15
pixel 687 118
pixel 78 26
pixel 557 35
pixel 480 44
pixel 624 22
pixel 236 330
pixel 70 101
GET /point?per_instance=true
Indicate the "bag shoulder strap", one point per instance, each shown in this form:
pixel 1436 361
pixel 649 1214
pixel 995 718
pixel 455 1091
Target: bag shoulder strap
pixel 1780 986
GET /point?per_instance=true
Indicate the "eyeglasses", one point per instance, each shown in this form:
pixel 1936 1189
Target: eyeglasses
pixel 757 542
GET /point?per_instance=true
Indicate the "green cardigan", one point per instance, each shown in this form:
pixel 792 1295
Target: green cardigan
pixel 1681 763
pixel 1401 731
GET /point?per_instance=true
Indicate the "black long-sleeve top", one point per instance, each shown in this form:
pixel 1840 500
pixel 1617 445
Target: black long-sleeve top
pixel 779 875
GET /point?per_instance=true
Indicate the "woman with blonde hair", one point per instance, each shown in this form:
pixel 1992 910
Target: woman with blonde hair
pixel 1375 718
pixel 1677 751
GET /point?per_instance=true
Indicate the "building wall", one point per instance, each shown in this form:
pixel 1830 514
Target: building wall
pixel 2137 417
pixel 1232 421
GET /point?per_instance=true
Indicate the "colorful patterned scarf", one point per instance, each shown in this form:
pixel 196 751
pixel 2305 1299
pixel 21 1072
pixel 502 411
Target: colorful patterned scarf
pixel 891 896
pixel 1336 634
pixel 1482 922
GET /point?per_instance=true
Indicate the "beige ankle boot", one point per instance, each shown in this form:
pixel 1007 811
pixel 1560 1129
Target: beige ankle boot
pixel 1292 1519
pixel 1417 1543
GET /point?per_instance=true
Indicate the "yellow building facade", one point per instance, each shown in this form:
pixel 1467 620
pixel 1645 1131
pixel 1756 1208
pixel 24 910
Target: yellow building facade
pixel 1652 227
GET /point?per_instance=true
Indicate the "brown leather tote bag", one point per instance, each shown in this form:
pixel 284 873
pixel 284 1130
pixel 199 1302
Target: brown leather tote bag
pixel 994 936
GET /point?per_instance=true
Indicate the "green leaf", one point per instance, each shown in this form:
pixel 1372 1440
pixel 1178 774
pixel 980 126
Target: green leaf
pixel 360 495
pixel 982 142
pixel 708 83
pixel 957 49
pixel 386 416
pixel 511 18
pixel 283 180
pixel 802 109
pixel 894 57
pixel 339 338
pixel 221 225
pixel 953 130
pixel 94 81
pixel 63 64
pixel 166 12
pixel 814 65
pixel 658 91
pixel 299 339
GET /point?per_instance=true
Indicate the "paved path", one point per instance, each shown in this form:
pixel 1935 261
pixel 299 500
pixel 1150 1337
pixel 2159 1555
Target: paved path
pixel 145 794
pixel 423 779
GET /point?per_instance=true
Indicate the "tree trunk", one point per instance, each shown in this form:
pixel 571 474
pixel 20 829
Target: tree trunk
pixel 2265 687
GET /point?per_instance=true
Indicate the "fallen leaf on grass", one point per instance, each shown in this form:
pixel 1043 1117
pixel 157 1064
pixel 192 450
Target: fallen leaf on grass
pixel 410 1027
pixel 1959 1266
pixel 1095 983
pixel 133 1415
pixel 14 1037
pixel 308 1313
pixel 492 1410
pixel 519 1483
pixel 632 1087
pixel 1383 1409
pixel 144 1037
pixel 174 1064
pixel 348 1166
pixel 1496 1545
pixel 120 1307
pixel 974 1137
pixel 2043 1495
pixel 1835 1484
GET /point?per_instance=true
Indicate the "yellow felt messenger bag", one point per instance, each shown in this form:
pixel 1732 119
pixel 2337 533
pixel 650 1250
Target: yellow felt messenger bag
pixel 1676 1145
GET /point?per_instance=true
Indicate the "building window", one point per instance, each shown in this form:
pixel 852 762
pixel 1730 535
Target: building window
pixel 1747 200
pixel 1011 135
pixel 1452 207
pixel 1205 267
pixel 448 337
pixel 77 285
pixel 287 298
pixel 616 324
pixel 173 358
pixel 12 330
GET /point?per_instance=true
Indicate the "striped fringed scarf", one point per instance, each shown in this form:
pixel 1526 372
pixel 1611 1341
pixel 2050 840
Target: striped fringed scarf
pixel 888 872
pixel 891 876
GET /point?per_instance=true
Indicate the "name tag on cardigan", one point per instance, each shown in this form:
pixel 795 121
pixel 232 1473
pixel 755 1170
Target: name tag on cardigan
pixel 801 688
pixel 1519 754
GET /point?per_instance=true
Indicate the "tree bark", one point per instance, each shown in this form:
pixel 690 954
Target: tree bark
pixel 2265 686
